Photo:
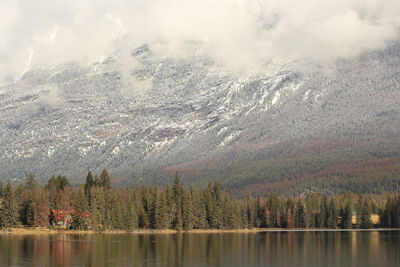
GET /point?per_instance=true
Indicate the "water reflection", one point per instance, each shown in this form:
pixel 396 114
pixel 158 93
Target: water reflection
pixel 249 249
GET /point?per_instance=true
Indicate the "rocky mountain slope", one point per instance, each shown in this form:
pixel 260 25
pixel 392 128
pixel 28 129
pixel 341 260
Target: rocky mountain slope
pixel 250 131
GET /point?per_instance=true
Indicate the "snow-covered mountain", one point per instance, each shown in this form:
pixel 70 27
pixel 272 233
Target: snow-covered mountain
pixel 194 116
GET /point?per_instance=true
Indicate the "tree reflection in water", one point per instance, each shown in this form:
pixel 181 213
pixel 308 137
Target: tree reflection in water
pixel 200 249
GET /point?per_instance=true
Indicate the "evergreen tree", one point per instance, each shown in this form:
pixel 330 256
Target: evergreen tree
pixel 250 211
pixel 133 223
pixel 323 213
pixel 332 214
pixel 217 199
pixel 1 189
pixel 273 211
pixel 199 210
pixel 8 208
pixel 177 193
pixel 259 214
pixel 30 182
pixel 346 216
pixel 81 207
pixel 89 185
pixel 98 208
pixel 300 217
pixel 187 211
pixel 115 211
pixel 161 212
pixel 105 180
pixel 313 211
pixel 232 215
pixel 364 215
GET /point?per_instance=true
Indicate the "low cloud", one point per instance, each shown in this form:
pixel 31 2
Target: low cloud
pixel 238 34
pixel 52 95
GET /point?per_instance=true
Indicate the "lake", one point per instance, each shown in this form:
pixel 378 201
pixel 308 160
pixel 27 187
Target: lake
pixel 308 248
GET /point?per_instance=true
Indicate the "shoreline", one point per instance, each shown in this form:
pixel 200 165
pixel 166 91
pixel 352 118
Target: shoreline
pixel 32 231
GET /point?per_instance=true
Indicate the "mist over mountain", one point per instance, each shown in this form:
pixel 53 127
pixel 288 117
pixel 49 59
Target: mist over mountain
pixel 198 118
pixel 261 95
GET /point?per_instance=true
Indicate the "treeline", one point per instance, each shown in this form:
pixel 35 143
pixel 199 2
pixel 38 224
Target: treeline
pixel 97 205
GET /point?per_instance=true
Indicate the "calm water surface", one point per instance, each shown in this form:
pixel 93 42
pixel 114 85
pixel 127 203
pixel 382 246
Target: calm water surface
pixel 228 249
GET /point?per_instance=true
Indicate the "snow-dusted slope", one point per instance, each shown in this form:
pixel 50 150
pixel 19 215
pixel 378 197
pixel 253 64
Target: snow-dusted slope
pixel 187 114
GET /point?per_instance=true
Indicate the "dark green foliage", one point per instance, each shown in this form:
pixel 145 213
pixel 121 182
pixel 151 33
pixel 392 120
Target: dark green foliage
pixel 364 213
pixel 96 205
pixel 300 217
pixel 89 184
pixel 98 208
pixel 8 208
pixel 105 180
pixel 391 213
pixel 132 220
pixel 332 214
pixel 115 212
pixel 187 211
pixel 346 215
pixel 161 211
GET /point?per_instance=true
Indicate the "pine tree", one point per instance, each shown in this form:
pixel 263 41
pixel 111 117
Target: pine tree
pixel 1 189
pixel 199 210
pixel 300 217
pixel 323 213
pixel 273 211
pixel 161 211
pixel 105 180
pixel 89 185
pixel 81 206
pixel 217 198
pixel 115 211
pixel 365 214
pixel 250 211
pixel 332 214
pixel 98 208
pixel 133 223
pixel 313 203
pixel 346 216
pixel 30 182
pixel 8 208
pixel 288 219
pixel 232 214
pixel 187 210
pixel 28 193
pixel 177 193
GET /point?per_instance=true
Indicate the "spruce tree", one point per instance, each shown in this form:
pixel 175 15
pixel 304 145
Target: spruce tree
pixel 1 189
pixel 105 180
pixel 199 210
pixel 365 214
pixel 115 211
pixel 133 223
pixel 161 211
pixel 346 215
pixel 300 217
pixel 89 185
pixel 177 193
pixel 332 214
pixel 8 208
pixel 187 209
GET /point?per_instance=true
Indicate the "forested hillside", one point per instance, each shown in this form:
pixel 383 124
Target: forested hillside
pixel 284 130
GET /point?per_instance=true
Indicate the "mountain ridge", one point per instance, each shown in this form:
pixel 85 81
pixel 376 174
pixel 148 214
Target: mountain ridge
pixel 76 119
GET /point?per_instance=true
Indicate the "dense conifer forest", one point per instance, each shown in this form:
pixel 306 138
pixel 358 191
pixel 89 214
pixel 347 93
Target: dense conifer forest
pixel 97 205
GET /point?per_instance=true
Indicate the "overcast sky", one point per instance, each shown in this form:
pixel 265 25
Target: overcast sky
pixel 236 33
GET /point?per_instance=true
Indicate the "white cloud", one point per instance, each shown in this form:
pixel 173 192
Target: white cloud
pixel 237 34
